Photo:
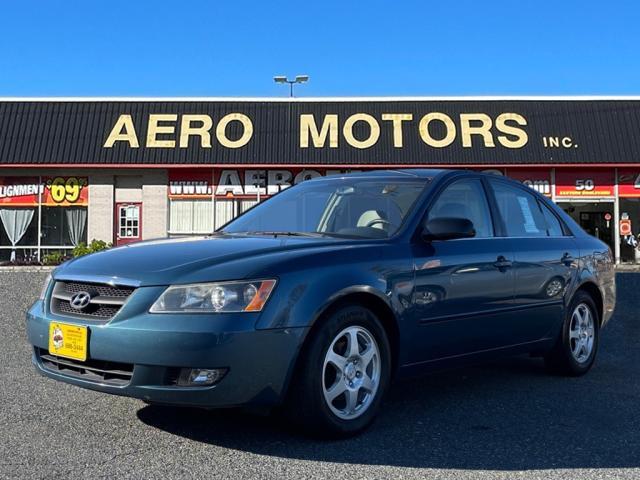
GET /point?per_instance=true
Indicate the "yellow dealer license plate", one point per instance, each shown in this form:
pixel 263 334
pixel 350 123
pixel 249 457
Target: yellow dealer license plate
pixel 68 341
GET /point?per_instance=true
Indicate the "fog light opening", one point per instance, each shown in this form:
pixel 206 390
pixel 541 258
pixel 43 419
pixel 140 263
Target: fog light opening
pixel 200 377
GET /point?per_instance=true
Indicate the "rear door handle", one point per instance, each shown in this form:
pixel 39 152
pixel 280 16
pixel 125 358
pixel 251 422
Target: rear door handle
pixel 567 259
pixel 502 263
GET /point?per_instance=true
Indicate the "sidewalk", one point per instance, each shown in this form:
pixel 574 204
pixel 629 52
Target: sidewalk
pixel 628 267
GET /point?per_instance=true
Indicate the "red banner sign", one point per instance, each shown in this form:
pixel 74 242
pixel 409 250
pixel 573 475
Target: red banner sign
pixel 629 182
pixel 584 183
pixel 19 191
pixel 53 191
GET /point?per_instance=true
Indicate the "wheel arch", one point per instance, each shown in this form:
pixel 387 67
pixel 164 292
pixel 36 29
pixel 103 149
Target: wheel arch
pixel 367 297
pixel 592 289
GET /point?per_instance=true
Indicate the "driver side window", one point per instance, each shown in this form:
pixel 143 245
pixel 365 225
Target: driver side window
pixel 465 199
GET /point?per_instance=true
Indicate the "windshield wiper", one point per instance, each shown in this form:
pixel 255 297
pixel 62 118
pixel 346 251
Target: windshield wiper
pixel 301 234
pixel 340 235
pixel 286 234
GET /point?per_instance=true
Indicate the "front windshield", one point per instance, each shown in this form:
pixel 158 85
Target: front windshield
pixel 346 207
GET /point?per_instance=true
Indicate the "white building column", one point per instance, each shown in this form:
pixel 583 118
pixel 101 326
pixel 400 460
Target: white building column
pixel 154 204
pixel 100 212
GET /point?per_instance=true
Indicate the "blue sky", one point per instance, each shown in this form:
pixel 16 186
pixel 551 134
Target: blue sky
pixel 233 48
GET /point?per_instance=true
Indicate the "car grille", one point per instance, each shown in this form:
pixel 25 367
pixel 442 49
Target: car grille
pixel 102 290
pixel 106 300
pixel 97 371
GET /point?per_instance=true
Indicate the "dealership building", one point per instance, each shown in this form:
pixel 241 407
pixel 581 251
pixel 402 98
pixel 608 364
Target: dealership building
pixel 123 169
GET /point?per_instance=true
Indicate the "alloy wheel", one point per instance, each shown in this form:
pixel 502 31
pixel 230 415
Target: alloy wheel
pixel 581 333
pixel 351 372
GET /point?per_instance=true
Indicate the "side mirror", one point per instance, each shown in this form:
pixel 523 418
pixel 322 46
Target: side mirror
pixel 448 228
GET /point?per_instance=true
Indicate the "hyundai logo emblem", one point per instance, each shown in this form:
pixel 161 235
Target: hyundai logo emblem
pixel 80 300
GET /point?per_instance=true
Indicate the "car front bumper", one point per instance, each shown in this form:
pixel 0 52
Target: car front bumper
pixel 156 346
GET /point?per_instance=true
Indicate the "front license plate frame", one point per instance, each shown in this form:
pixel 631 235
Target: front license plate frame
pixel 68 341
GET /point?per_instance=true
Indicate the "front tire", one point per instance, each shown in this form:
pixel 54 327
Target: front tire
pixel 343 374
pixel 576 347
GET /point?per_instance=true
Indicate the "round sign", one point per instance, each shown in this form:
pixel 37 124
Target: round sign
pixel 625 227
pixel 607 217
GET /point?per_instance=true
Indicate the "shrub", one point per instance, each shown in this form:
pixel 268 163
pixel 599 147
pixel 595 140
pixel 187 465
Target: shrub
pixel 53 258
pixel 99 245
pixel 93 247
pixel 80 249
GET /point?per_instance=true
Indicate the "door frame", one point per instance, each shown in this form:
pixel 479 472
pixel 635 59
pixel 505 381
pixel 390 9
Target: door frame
pixel 603 201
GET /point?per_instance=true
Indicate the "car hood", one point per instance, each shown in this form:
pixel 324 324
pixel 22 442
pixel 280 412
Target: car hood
pixel 165 261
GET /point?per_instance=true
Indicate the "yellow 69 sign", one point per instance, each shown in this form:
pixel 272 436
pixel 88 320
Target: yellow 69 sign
pixel 66 190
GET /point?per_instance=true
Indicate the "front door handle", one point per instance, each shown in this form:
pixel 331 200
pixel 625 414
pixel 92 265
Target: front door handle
pixel 567 259
pixel 502 263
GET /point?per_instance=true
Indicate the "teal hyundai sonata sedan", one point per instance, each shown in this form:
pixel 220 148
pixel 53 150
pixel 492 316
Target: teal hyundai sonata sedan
pixel 315 299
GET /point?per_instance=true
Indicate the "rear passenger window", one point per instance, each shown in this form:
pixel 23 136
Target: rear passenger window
pixel 520 211
pixel 553 224
pixel 465 199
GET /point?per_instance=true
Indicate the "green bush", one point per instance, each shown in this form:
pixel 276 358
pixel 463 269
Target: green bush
pixel 99 245
pixel 53 258
pixel 80 250
pixel 93 247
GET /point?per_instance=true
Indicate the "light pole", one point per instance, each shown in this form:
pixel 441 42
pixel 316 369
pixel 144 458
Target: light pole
pixel 298 79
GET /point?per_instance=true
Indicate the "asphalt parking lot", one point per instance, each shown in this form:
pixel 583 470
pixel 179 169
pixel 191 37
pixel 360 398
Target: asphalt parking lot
pixel 505 420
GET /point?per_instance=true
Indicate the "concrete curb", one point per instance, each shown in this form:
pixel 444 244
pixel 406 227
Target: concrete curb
pixel 27 268
pixel 628 268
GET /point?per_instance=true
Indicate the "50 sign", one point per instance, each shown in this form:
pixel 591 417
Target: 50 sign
pixel 585 184
pixel 66 191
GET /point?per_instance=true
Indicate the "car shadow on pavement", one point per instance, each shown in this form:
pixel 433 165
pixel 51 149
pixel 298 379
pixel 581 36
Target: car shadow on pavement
pixel 508 415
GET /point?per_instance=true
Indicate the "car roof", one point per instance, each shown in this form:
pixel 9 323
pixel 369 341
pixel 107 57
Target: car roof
pixel 415 173
pixel 420 173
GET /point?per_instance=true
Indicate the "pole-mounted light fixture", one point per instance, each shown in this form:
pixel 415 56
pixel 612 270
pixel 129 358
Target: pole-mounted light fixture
pixel 298 79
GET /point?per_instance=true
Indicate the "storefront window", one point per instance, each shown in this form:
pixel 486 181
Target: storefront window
pixel 63 226
pixel 40 212
pixel 191 216
pixel 629 221
pixel 226 210
pixel 19 230
pixel 195 217
pixel 630 230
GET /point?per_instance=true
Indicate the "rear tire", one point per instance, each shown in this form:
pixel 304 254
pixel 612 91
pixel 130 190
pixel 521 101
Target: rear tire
pixel 577 345
pixel 340 380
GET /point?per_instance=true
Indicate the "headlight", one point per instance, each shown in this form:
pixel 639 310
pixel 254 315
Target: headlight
pixel 215 297
pixel 45 287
